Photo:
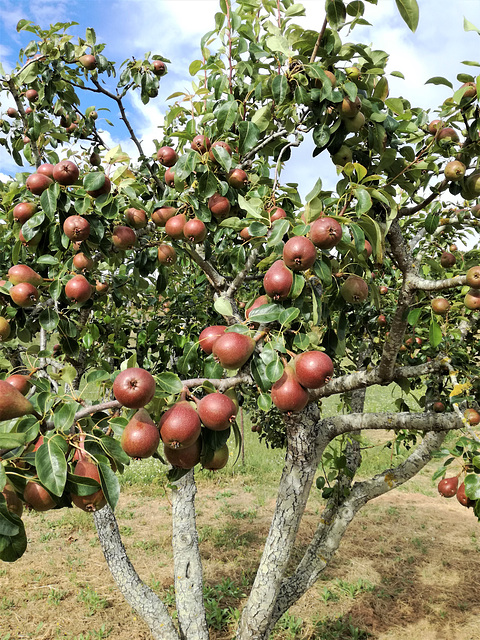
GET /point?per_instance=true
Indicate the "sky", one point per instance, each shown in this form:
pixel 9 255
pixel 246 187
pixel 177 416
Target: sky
pixel 173 28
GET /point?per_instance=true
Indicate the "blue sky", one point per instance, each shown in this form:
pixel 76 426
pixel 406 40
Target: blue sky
pixel 173 28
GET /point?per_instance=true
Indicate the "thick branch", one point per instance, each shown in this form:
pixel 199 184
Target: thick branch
pixel 410 211
pixel 336 518
pixel 187 563
pixel 437 422
pixel 23 115
pixel 140 597
pixel 435 285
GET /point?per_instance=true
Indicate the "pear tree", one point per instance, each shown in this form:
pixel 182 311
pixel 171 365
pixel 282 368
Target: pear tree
pixel 143 298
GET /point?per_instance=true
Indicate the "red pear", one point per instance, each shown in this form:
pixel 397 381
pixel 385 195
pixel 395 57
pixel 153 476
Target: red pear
pixel 134 387
pixel 208 336
pixel 287 393
pixel 325 232
pixel 162 214
pixel 313 369
pixel 180 426
pixel 23 273
pixel 233 349
pixel 166 155
pixel 124 237
pixel 24 294
pixel 166 254
pixel 20 382
pixel 12 403
pixel 184 458
pixel 94 501
pixel 448 487
pixel 37 183
pixel 278 281
pixel 354 290
pixel 140 438
pixel 76 228
pixel 78 289
pixel 66 172
pixel 216 411
pixel 195 231
pixel 218 460
pixel 174 226
pixel 23 211
pixel 37 497
pixel 299 253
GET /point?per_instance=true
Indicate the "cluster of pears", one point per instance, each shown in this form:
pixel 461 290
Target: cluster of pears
pixel 177 225
pixel 180 427
pixel 14 404
pixel 449 487
pixel 307 370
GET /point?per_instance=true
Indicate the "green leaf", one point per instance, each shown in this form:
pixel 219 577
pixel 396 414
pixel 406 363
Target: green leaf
pixel 279 229
pixel 434 333
pixel 222 156
pixel 358 237
pixel 12 440
pixel 252 208
pixel 414 316
pixel 48 200
pixel 315 191
pixel 297 286
pixel 249 135
pixel 364 201
pixel 48 319
pixel 472 486
pixel 186 164
pixel 226 115
pixel 409 11
pixel 194 68
pixel 30 227
pixel 81 485
pixel 262 117
pixel 46 259
pixel 12 547
pixel 110 484
pixel 264 402
pixel 51 466
pixel 278 44
pixel 274 370
pixel 114 450
pixel 287 316
pixel 440 80
pixel 336 13
pixel 169 382
pixel 64 416
pixel 223 307
pixel 266 313
pixel 94 180
pixel 468 26
pixel 8 526
pixel 296 9
pixel 280 89
pixel 431 222
pixel 321 136
pixel 97 375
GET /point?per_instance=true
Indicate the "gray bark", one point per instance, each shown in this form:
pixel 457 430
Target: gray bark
pixel 140 597
pixel 305 446
pixel 187 562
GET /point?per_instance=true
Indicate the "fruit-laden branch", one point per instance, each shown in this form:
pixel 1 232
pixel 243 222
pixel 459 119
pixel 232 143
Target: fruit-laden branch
pixel 304 448
pixel 187 563
pixel 337 516
pixel 140 597
pixel 216 280
pixel 435 285
pixel 33 144
pixel 436 422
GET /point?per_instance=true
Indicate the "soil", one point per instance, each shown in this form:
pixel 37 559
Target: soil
pixel 407 569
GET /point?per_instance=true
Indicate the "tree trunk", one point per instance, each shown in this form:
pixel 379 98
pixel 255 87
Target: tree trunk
pixel 304 448
pixel 187 562
pixel 140 597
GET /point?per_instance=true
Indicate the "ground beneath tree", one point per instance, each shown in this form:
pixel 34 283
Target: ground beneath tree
pixel 407 569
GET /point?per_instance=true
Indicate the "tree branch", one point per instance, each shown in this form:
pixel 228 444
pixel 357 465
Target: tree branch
pixel 435 422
